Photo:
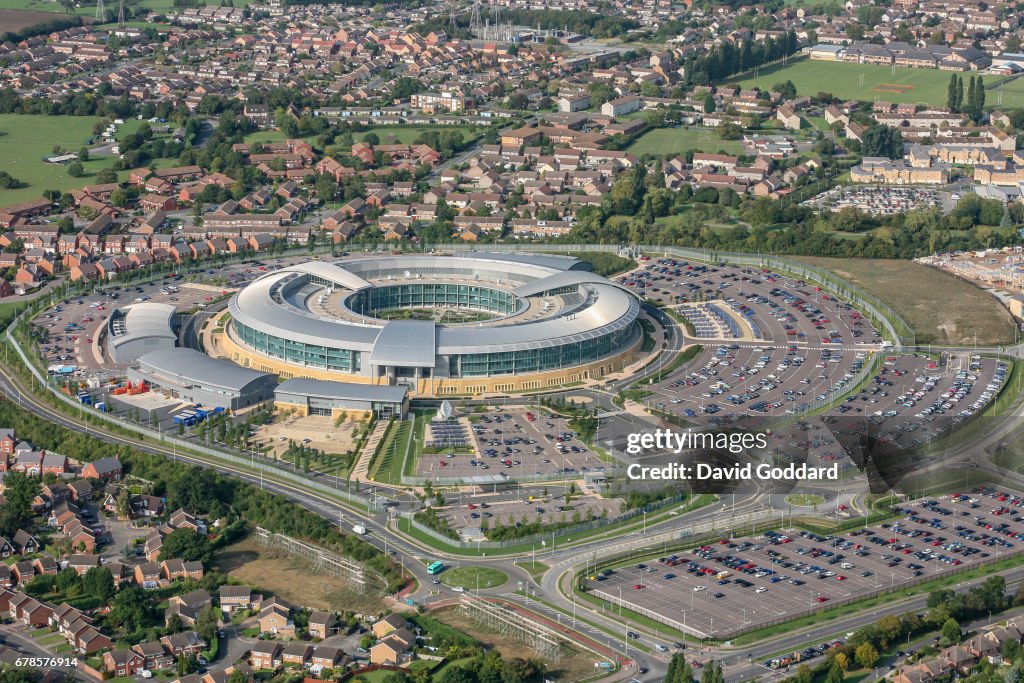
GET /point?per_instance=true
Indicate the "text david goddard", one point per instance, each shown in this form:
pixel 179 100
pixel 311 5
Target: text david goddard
pixel 706 472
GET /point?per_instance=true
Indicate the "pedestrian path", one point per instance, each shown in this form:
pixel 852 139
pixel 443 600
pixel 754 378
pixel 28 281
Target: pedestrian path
pixel 361 470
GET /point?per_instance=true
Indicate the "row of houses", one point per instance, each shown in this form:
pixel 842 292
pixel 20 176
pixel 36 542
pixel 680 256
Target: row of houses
pixel 962 660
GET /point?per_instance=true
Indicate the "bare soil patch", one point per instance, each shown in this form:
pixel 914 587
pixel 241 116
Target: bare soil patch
pixel 275 572
pixel 17 19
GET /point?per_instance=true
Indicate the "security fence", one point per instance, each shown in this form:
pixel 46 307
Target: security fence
pixel 248 465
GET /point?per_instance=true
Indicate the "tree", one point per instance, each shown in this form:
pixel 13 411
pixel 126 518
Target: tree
pixel 835 673
pixel 99 583
pixel 709 104
pixel 951 630
pixel 19 492
pixel 106 175
pixel 132 610
pixel 951 93
pixel 187 545
pixel 679 670
pixel 68 582
pixel 787 90
pixel 882 141
pixel 76 170
pixel 371 139
pixel 978 104
pixel 457 674
pixel 326 187
pixel 206 623
pixel 123 504
pixel 866 655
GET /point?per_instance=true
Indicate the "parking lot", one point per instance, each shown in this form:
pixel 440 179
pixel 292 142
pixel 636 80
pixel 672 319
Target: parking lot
pixel 729 587
pixel 809 349
pixel 523 444
pixel 787 344
pixel 71 330
pixel 883 201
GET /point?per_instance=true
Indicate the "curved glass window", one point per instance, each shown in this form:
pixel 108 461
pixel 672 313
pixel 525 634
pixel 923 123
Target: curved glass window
pixel 431 295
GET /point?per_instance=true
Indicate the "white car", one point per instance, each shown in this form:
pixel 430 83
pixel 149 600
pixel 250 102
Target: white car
pixel 698 589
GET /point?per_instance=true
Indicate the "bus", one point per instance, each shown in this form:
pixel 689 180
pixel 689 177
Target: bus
pixel 435 567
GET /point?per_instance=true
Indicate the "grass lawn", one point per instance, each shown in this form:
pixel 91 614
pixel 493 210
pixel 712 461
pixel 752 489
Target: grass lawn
pixel 535 569
pixel 387 465
pixel 675 141
pixel 804 499
pixel 941 308
pixel 28 139
pixel 264 136
pixel 844 81
pixel 471 577
pixel 406 135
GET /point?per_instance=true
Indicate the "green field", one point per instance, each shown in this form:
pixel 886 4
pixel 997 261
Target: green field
pixel 26 140
pixel 844 81
pixel 264 137
pixel 941 308
pixel 405 135
pixel 472 577
pixel 804 499
pixel 675 141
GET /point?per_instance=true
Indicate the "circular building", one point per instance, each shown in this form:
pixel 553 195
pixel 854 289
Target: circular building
pixel 471 323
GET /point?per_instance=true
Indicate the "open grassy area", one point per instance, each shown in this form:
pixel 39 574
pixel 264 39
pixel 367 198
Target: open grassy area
pixel 535 569
pixel 406 135
pixel 25 140
pixel 472 577
pixel 804 499
pixel 292 580
pixel 387 465
pixel 675 141
pixel 844 81
pixel 942 309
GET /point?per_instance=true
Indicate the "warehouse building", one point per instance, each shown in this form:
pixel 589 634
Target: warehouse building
pixel 324 397
pixel 134 331
pixel 208 382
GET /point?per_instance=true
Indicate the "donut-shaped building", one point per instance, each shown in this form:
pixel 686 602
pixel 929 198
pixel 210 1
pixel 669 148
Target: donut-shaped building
pixel 466 324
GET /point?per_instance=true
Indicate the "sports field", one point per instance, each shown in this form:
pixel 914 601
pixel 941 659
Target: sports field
pixel 865 82
pixel 25 140
pixel 675 141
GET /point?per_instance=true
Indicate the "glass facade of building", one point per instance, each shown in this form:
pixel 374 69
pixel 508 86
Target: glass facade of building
pixel 430 294
pixel 343 360
pixel 539 360
pixel 517 362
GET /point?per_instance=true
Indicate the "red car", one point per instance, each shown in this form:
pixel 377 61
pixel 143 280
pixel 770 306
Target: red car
pixel 821 598
pixel 471 506
pixel 639 586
